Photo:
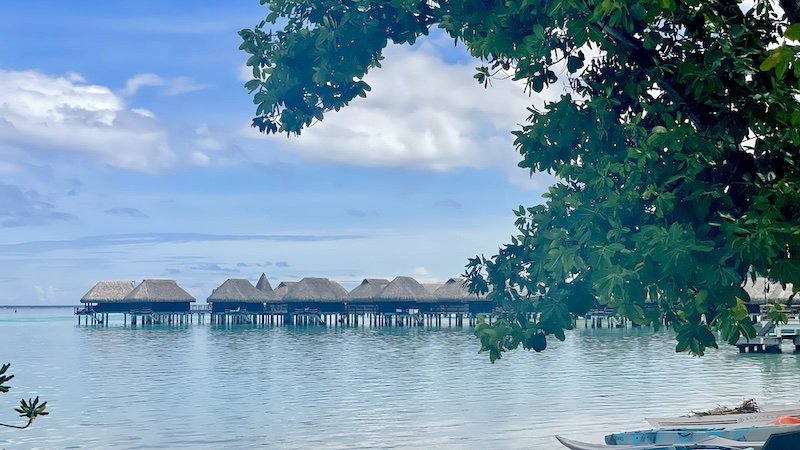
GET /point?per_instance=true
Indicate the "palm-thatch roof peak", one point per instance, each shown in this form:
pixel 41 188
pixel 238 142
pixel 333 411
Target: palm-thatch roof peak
pixel 403 289
pixel 368 288
pixel 282 288
pixel 454 289
pixel 158 291
pixel 238 290
pixel 320 290
pixel 108 291
pixel 264 286
pixel 431 287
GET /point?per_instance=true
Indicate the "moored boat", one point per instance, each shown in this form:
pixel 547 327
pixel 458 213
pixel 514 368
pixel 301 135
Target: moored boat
pixel 757 433
pixel 706 444
pixel 748 437
pixel 726 420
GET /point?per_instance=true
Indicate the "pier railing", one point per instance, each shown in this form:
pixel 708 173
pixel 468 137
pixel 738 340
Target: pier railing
pixel 203 308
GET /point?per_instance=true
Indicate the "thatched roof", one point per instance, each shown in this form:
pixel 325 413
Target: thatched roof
pixel 108 292
pixel 238 290
pixel 763 291
pixel 158 291
pixel 282 289
pixel 403 289
pixel 264 286
pixel 454 290
pixel 431 287
pixel 368 288
pixel 322 290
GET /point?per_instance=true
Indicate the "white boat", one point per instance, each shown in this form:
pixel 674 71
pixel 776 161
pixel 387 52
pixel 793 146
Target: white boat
pixel 726 420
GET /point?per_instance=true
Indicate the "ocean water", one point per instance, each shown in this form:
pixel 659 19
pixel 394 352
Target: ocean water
pixel 210 387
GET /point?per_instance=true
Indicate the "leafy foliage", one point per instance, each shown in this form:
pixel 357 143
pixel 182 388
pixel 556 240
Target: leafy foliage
pixel 31 408
pixel 676 146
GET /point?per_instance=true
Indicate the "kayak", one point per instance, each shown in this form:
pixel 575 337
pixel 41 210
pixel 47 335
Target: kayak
pixel 713 443
pixel 756 433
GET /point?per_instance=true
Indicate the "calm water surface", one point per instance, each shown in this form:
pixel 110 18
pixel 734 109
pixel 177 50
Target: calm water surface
pixel 209 387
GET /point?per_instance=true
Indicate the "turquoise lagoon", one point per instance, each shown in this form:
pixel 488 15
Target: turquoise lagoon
pixel 210 387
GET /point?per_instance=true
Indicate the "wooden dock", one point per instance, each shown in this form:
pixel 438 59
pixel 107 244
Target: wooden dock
pixel 770 336
pixel 353 316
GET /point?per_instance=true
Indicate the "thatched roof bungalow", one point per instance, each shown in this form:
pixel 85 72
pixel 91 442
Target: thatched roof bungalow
pixel 264 286
pixel 317 293
pixel 155 295
pixel 367 290
pixel 401 293
pixel 454 293
pixel 431 287
pixel 282 288
pixel 108 292
pixel 237 294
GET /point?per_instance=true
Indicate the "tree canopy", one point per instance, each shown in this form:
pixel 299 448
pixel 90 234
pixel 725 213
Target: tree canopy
pixel 675 145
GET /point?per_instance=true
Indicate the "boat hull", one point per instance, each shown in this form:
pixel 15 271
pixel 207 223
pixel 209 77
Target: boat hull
pixel 725 420
pixel 709 444
pixel 688 436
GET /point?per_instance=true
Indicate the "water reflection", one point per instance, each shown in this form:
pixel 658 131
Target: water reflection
pixel 205 386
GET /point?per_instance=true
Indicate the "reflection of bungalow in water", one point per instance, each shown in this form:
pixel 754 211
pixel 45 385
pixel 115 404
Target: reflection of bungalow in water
pixel 454 295
pixel 106 293
pixel 403 293
pixel 319 294
pixel 237 294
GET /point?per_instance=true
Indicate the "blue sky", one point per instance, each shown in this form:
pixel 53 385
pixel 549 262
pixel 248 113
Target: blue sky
pixel 126 153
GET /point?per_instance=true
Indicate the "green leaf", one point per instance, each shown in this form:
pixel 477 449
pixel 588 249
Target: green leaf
pixel 793 32
pixel 771 61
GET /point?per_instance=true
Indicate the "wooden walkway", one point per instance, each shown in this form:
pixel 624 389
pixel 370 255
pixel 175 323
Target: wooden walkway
pixel 358 315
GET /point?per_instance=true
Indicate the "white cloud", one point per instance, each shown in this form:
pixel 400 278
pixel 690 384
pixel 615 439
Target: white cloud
pixel 169 86
pixel 206 140
pixel 67 114
pixel 423 113
pixel 245 73
pixel 421 271
pixel 199 159
pixel 48 294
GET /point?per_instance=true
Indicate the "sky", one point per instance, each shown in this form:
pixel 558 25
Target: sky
pixel 126 153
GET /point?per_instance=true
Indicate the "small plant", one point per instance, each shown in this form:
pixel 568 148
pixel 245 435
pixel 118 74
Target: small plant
pixel 30 408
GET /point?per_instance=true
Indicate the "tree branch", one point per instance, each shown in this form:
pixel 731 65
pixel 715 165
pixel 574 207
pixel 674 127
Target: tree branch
pixel 19 427
pixel 792 9
pixel 669 88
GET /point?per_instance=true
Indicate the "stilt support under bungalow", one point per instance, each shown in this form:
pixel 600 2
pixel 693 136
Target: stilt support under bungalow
pixel 277 317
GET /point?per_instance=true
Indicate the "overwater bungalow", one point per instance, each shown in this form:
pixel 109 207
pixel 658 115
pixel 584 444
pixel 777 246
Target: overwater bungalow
pixel 106 293
pixel 158 296
pixel 402 293
pixel 454 296
pixel 362 296
pixel 264 286
pixel 320 294
pixel 431 287
pixel 237 295
pixel 282 288
pixel 367 290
